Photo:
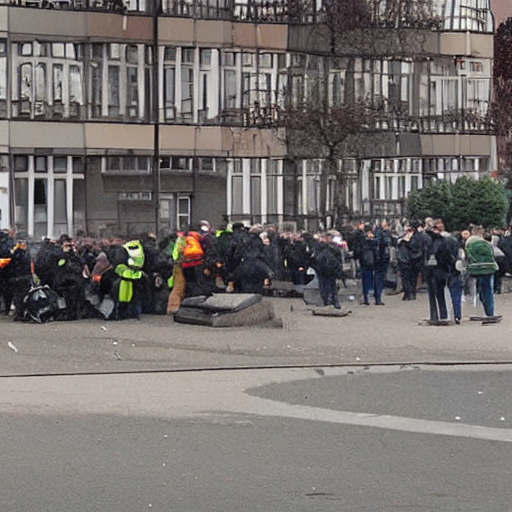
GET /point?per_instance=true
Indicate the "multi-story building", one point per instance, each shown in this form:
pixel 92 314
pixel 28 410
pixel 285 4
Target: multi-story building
pixel 84 144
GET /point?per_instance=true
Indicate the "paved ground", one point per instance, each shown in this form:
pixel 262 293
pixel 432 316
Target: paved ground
pixel 370 334
pixel 124 428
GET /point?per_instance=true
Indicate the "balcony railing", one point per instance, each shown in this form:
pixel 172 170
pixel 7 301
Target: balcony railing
pixel 277 11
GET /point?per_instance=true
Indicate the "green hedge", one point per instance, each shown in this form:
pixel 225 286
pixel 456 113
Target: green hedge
pixel 467 201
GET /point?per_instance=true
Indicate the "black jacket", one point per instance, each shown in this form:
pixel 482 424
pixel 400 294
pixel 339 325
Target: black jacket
pixel 327 260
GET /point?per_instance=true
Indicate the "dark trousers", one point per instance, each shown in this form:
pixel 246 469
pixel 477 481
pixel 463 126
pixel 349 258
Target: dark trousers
pixel 410 273
pixel 436 282
pixel 485 288
pixel 455 287
pixel 372 279
pixel 328 290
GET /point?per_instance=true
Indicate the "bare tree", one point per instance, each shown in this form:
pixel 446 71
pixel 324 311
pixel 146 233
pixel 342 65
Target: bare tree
pixel 319 124
pixel 317 128
pixel 378 27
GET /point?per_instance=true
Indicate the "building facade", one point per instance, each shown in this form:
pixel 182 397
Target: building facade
pixel 122 117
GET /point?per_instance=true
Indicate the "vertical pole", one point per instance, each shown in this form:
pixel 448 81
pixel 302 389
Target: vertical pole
pixel 156 119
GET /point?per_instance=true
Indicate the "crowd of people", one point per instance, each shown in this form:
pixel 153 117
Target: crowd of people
pixel 74 278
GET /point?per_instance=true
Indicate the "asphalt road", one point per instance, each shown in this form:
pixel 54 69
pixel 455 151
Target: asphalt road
pixel 426 439
pixel 371 412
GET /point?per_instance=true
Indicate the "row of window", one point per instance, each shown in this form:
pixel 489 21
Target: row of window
pixel 49 191
pixel 455 15
pixel 207 85
pixel 40 164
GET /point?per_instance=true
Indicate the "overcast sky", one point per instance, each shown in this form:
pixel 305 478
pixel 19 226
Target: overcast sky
pixel 502 10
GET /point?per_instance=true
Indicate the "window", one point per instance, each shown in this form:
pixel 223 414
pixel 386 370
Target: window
pixel 132 54
pixel 60 216
pixel 169 82
pixel 478 95
pixel 230 93
pixel 175 163
pixel 40 90
pixel 41 164
pixel 229 59
pixel 265 60
pixel 49 83
pixel 75 85
pixel 273 178
pixel 180 163
pixel 21 202
pixel 3 69
pixel 96 89
pixel 60 164
pixel 40 207
pixel 50 194
pixel 25 49
pixel 377 192
pixel 20 163
pixel 132 93
pixel 237 195
pixel 113 91
pixel 237 205
pixel 205 58
pixel 114 51
pixel 255 170
pixel 58 50
pixel 183 212
pixel 476 67
pixel 247 59
pixel 58 72
pixel 206 164
pixel 169 54
pixel 128 164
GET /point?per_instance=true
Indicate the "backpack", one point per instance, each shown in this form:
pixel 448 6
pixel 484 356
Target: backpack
pixel 193 249
pixel 41 304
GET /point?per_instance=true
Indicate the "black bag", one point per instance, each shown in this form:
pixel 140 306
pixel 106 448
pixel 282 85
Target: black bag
pixel 42 304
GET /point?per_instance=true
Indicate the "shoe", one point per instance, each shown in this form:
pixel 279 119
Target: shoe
pixel 337 305
pixel 457 321
pixel 379 304
pixel 406 297
pixel 366 303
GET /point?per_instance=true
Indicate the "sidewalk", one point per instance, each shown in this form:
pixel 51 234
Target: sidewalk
pixel 369 335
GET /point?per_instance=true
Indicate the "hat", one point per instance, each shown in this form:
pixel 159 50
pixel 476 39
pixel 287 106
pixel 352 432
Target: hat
pixel 367 227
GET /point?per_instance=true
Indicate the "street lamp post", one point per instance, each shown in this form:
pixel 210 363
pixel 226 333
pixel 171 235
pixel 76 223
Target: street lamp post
pixel 156 118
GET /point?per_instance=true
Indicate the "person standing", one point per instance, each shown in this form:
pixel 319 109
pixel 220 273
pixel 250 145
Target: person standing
pixel 411 259
pixel 481 265
pixel 384 243
pixel 368 257
pixel 437 268
pixel 456 271
pixel 328 267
